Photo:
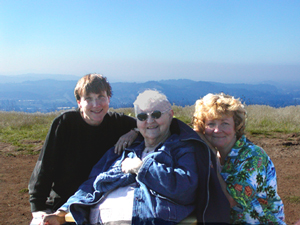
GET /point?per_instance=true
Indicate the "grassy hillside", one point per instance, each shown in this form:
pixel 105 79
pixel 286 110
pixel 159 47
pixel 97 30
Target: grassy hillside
pixel 27 131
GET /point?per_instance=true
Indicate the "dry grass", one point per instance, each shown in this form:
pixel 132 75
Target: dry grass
pixel 265 119
pixel 22 119
pixel 21 129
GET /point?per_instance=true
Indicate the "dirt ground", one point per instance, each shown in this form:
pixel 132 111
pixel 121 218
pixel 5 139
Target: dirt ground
pixel 15 171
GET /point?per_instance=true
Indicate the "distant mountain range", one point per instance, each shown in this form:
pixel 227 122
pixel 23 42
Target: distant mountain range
pixel 36 94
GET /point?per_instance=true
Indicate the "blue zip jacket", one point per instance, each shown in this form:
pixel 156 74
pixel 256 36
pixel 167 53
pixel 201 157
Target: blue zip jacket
pixel 167 183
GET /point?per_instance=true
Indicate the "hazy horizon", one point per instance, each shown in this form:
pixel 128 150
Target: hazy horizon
pixel 17 78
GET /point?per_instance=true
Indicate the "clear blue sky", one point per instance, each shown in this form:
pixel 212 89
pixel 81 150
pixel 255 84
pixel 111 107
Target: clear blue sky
pixel 213 40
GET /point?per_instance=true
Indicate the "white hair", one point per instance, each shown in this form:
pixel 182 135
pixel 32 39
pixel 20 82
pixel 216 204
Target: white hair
pixel 150 98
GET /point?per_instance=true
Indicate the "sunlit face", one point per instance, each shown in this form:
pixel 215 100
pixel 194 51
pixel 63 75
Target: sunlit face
pixel 221 132
pixel 94 107
pixel 155 130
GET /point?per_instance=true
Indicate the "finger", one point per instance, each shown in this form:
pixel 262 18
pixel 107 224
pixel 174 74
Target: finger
pixel 119 150
pixel 121 147
pixel 118 147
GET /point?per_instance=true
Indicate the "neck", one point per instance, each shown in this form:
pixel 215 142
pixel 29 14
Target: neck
pixel 222 156
pixel 149 149
pixel 152 143
pixel 225 151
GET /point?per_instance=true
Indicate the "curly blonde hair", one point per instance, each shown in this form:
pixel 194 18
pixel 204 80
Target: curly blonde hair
pixel 216 106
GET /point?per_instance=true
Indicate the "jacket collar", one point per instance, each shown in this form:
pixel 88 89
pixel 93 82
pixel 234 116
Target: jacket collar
pixel 178 127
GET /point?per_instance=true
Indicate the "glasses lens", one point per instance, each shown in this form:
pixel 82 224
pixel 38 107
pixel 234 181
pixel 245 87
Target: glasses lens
pixel 142 116
pixel 156 114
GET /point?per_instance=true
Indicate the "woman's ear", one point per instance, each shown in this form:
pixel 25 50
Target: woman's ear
pixel 171 113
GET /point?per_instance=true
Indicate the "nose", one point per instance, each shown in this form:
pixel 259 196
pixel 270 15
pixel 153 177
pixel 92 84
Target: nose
pixel 96 102
pixel 217 129
pixel 149 119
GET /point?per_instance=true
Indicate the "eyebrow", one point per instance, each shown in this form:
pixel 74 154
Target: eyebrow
pixel 225 119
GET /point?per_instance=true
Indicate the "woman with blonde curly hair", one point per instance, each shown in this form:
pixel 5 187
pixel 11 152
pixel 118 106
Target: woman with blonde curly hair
pixel 246 172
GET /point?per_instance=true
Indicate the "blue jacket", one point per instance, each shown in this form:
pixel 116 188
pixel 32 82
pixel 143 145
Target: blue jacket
pixel 167 183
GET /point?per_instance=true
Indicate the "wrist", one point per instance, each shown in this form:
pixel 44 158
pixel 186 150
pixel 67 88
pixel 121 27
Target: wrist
pixel 60 213
pixel 137 169
pixel 136 130
pixel 61 216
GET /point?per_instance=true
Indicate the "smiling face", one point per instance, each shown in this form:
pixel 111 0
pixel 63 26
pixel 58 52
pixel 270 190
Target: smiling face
pixel 221 133
pixel 155 130
pixel 94 107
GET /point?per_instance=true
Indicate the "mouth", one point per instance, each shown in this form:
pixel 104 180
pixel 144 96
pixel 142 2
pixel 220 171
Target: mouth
pixel 152 127
pixel 97 111
pixel 218 137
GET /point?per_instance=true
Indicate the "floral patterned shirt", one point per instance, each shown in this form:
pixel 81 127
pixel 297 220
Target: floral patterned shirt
pixel 251 180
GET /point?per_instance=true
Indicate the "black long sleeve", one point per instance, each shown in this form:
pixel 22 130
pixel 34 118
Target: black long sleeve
pixel 71 149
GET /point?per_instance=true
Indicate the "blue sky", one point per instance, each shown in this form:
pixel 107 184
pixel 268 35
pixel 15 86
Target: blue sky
pixel 229 41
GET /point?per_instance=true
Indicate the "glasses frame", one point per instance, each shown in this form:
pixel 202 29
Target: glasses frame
pixel 151 114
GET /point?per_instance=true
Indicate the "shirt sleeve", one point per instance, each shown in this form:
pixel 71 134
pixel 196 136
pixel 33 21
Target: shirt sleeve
pixel 125 123
pixel 41 180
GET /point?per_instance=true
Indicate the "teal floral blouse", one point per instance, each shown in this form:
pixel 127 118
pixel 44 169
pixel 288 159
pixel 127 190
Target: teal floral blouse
pixel 251 180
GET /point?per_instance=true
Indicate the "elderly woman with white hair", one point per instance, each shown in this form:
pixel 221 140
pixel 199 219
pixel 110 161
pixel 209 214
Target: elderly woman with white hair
pixel 155 181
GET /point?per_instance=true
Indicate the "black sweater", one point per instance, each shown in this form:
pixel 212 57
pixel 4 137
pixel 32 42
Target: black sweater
pixel 71 149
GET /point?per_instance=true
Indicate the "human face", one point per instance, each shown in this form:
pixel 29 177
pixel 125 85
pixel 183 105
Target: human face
pixel 155 130
pixel 221 133
pixel 94 107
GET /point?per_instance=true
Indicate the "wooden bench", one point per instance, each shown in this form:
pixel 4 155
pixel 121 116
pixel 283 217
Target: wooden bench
pixel 190 220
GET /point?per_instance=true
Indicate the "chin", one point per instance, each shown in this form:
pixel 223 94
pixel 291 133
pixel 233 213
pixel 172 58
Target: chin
pixel 98 117
pixel 217 145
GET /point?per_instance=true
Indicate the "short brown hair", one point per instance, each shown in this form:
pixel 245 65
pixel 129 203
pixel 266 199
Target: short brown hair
pixel 92 83
pixel 216 106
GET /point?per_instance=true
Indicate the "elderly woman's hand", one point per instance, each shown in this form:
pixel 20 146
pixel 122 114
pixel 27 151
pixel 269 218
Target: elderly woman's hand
pixel 125 141
pixel 131 165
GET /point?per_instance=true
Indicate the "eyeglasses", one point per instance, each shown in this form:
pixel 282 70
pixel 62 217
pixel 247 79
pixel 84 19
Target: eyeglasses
pixel 155 115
